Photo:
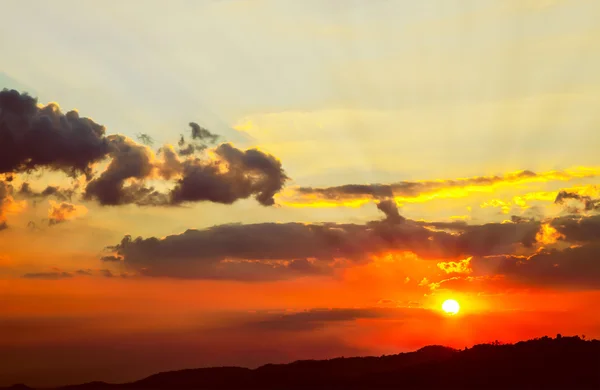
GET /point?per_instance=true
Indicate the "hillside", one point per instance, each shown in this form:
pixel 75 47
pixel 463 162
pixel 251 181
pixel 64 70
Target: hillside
pixel 562 362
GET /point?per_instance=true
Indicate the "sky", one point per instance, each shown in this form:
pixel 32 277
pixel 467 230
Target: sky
pixel 238 182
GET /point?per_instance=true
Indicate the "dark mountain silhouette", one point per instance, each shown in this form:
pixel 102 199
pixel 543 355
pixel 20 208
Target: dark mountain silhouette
pixel 542 363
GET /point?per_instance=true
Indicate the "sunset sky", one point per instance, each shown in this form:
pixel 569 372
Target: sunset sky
pixel 230 182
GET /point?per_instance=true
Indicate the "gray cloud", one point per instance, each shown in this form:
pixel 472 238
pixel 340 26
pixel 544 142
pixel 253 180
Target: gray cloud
pixel 106 273
pixel 201 138
pixel 280 250
pixel 587 202
pixel 54 275
pixel 408 188
pixel 390 209
pixel 318 318
pixel 269 251
pixel 63 194
pixel 246 173
pixel 574 267
pixel 111 258
pixel 578 229
pixel 129 161
pixel 57 274
pixel 236 175
pixel 34 137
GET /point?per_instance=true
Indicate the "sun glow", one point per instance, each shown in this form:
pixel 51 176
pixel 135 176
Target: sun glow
pixel 450 306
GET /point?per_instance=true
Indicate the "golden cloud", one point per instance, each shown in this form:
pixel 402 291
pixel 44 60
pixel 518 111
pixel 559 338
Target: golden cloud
pixel 420 191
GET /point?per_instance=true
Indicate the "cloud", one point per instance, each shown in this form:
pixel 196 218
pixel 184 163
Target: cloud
pixel 586 201
pixel 423 191
pixel 548 235
pixel 201 137
pixel 267 251
pixel 505 207
pixel 574 267
pixel 230 175
pixel 578 229
pixel 62 212
pixel 129 160
pixel 111 258
pixel 33 137
pixel 240 252
pixel 271 251
pixel 54 275
pixel 572 264
pixel 106 273
pixel 458 267
pixel 390 209
pixel 62 194
pixel 318 318
pixel 7 203
pixel 233 175
pixel 57 274
pixel 145 139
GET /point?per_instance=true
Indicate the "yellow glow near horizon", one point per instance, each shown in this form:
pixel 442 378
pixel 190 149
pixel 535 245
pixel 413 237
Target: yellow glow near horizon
pixel 451 306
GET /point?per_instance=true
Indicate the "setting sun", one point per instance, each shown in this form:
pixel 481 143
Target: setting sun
pixel 450 306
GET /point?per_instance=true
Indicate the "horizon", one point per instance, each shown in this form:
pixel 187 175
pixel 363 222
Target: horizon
pixel 241 182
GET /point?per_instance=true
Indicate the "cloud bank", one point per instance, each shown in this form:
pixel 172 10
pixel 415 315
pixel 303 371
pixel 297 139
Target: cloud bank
pixel 36 137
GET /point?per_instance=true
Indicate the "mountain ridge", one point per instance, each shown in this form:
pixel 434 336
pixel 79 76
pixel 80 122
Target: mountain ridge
pixel 548 363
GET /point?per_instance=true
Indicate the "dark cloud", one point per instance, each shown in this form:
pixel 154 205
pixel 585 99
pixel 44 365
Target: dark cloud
pixel 145 139
pixel 574 267
pixel 238 175
pixel 587 202
pixel 106 273
pixel 390 209
pixel 572 263
pixel 33 137
pixel 129 160
pixel 318 318
pixel 201 134
pixel 201 138
pixel 497 238
pixel 54 275
pixel 409 188
pixel 578 229
pixel 243 252
pixel 280 250
pixel 36 137
pixel 270 251
pixel 111 258
pixel 234 175
pixel 57 274
pixel 63 194
pixel 520 219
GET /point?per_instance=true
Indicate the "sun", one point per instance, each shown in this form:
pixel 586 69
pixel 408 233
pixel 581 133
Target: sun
pixel 450 306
